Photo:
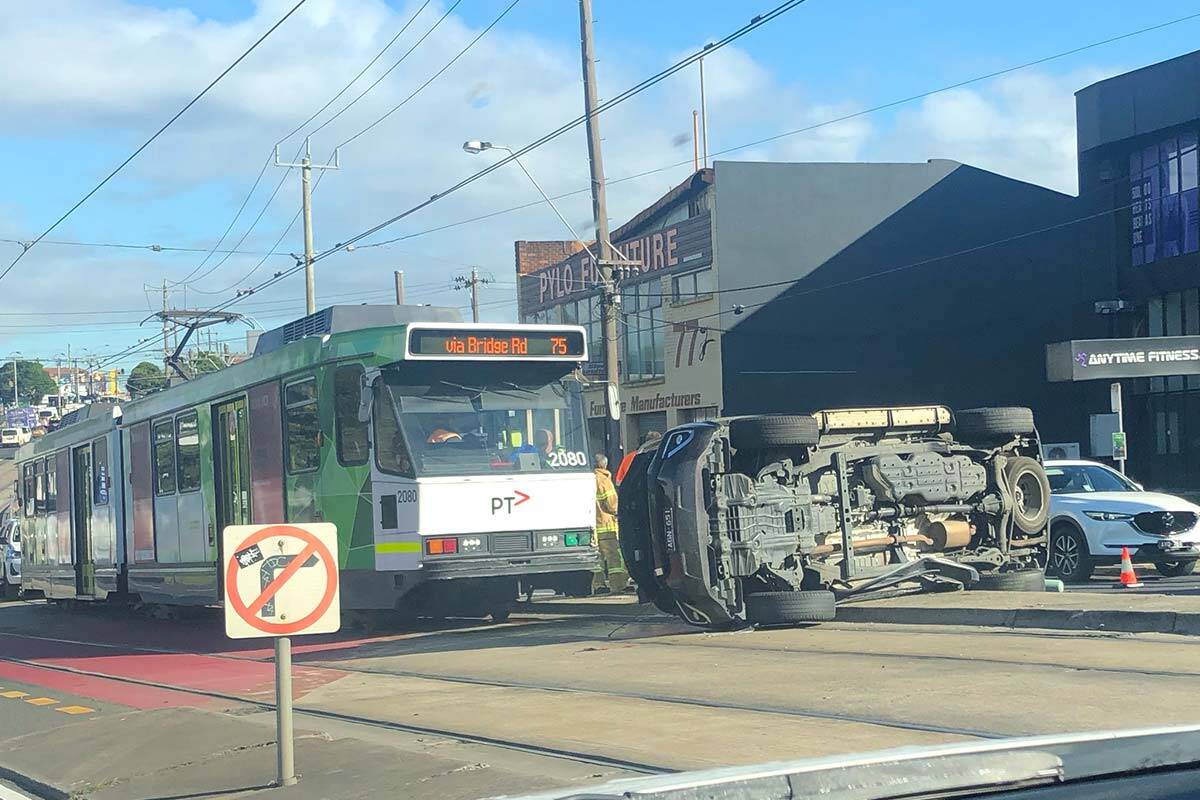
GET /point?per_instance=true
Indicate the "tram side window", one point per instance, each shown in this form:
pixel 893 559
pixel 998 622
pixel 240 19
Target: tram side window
pixel 303 426
pixel 28 490
pixel 39 489
pixel 187 451
pixel 352 442
pixel 100 472
pixel 164 457
pixel 51 485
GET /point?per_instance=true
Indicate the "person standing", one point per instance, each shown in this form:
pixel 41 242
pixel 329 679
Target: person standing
pixel 610 575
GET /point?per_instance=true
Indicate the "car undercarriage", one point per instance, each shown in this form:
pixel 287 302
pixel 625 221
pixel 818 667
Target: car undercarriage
pixel 773 519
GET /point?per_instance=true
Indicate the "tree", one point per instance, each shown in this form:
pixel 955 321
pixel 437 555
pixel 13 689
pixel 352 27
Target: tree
pixel 32 382
pixel 201 362
pixel 146 378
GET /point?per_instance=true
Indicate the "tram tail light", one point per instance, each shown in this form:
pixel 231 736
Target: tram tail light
pixel 437 547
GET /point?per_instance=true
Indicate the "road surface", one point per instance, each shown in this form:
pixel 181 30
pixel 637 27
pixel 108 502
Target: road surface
pixel 546 700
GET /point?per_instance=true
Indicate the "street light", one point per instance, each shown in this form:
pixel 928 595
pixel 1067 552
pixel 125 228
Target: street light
pixel 475 147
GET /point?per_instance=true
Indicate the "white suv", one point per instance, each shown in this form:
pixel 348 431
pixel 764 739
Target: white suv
pixel 10 558
pixel 1095 511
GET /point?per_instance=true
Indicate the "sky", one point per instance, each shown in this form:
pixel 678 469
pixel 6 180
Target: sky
pixel 88 80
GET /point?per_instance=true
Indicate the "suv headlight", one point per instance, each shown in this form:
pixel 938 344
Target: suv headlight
pixel 1109 516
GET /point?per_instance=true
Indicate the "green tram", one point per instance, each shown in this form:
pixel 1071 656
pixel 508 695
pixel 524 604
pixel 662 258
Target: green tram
pixel 452 458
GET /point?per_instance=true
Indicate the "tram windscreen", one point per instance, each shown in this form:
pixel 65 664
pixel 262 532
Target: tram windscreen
pixel 450 428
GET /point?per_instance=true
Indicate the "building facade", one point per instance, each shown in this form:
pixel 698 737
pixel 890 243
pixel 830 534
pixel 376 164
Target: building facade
pixel 1139 177
pixel 775 287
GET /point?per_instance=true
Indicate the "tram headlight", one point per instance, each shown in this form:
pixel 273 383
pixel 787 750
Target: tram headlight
pixel 470 544
pixel 547 540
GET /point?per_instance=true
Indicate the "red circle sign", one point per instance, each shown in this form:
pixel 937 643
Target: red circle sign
pixel 310 543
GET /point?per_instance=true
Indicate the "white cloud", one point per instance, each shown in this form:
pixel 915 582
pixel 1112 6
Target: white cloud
pixel 111 72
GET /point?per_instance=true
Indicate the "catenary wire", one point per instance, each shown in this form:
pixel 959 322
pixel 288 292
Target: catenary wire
pixel 147 143
pixel 805 129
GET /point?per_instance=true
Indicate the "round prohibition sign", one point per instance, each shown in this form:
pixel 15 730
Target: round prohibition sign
pixel 312 546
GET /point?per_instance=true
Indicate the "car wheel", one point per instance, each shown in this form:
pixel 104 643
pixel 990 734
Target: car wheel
pixel 1069 555
pixel 1026 580
pixel 1175 569
pixel 781 430
pixel 1031 493
pixel 990 424
pixel 789 608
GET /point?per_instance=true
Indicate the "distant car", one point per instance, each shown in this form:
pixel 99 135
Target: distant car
pixel 1095 511
pixel 14 437
pixel 10 558
pixel 37 432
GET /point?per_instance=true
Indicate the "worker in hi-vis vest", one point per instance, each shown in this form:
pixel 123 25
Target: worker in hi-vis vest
pixel 610 575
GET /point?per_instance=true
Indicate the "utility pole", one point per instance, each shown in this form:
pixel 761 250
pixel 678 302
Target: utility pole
pixel 473 283
pixel 703 117
pixel 306 167
pixel 399 275
pixel 165 333
pixel 613 445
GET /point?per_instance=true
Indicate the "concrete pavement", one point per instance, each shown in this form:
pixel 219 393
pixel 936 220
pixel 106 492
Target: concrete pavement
pixel 555 699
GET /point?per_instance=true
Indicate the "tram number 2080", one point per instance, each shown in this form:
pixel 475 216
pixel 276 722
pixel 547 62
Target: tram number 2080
pixel 566 458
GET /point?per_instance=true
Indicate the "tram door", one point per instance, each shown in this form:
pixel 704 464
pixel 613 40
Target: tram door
pixel 81 520
pixel 231 463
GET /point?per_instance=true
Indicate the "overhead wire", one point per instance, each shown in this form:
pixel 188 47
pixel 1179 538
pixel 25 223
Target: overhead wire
pixel 148 142
pixel 806 129
pixel 269 159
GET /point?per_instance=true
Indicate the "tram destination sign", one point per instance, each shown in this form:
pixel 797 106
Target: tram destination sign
pixel 485 344
pixel 1146 357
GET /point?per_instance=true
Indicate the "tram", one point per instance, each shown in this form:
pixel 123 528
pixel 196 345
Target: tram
pixel 451 457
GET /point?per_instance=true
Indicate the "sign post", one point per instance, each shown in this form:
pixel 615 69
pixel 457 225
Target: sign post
pixel 1118 438
pixel 281 581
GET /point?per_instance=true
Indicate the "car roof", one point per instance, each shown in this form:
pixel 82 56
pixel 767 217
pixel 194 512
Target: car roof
pixel 1073 462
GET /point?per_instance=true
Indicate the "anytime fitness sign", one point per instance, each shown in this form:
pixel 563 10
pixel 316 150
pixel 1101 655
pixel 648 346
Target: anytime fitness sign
pixel 1090 359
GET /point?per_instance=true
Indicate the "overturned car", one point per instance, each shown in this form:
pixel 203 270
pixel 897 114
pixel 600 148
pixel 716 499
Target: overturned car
pixel 771 519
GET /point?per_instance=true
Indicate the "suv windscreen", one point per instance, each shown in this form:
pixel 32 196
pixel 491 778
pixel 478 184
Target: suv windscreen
pixel 1086 478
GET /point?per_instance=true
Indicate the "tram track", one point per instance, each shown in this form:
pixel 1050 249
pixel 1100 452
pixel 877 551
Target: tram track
pixel 593 759
pixel 500 683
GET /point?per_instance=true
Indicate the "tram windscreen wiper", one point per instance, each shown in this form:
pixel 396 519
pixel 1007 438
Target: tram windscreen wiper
pixel 478 392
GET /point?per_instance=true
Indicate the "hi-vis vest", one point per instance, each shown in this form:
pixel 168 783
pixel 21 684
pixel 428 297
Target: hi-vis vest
pixel 606 503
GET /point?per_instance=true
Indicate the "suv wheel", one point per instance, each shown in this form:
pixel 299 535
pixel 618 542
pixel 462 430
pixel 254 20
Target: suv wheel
pixel 1175 569
pixel 789 608
pixel 1069 555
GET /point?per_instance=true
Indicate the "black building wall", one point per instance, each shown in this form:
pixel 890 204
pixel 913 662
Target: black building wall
pixel 950 297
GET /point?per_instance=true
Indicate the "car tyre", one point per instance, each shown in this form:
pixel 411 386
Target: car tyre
pixel 790 608
pixel 989 424
pixel 1031 493
pixel 1175 569
pixel 1026 580
pixel 779 430
pixel 1069 556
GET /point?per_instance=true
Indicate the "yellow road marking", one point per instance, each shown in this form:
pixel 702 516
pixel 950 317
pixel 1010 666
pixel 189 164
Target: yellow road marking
pixel 14 694
pixel 41 701
pixel 75 709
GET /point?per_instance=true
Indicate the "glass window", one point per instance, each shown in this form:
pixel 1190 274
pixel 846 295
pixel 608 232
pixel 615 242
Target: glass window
pixel 187 448
pixel 1085 478
pixel 163 438
pixel 39 489
pixel 391 451
pixel 1154 320
pixel 352 442
pixel 303 426
pixel 454 426
pixel 51 485
pixel 27 489
pixel 100 474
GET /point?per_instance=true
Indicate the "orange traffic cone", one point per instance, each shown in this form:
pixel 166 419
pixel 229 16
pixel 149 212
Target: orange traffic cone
pixel 1128 577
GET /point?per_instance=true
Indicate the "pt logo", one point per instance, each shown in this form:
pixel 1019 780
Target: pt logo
pixel 508 502
pixel 267 577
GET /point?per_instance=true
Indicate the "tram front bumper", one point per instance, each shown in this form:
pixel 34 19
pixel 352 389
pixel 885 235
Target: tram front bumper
pixel 450 567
